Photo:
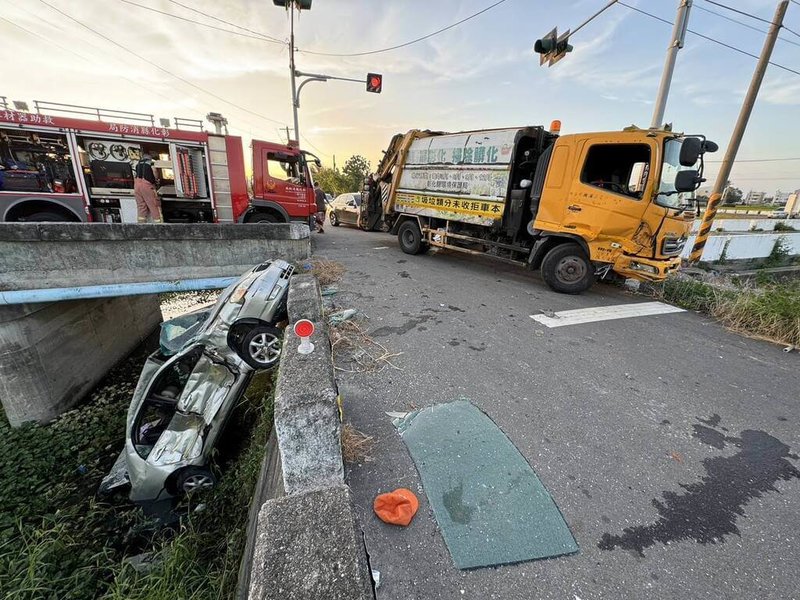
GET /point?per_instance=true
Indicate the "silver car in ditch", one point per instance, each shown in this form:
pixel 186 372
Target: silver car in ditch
pixel 189 387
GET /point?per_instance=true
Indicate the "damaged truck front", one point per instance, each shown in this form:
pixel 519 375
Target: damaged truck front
pixel 577 206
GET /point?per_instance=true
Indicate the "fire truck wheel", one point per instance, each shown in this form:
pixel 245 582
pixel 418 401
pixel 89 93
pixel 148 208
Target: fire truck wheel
pixel 567 269
pixel 46 217
pixel 410 238
pixel 261 347
pixel 263 218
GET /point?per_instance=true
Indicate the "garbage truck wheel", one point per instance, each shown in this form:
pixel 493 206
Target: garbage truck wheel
pixel 410 238
pixel 567 269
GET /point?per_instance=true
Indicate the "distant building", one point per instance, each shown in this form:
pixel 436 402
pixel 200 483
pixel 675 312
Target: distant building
pixel 781 198
pixel 754 197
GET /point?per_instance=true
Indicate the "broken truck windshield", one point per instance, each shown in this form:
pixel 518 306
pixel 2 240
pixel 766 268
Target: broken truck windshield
pixel 667 194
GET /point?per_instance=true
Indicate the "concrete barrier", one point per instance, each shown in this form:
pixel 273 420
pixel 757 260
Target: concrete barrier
pixel 306 543
pixel 62 255
pixel 52 354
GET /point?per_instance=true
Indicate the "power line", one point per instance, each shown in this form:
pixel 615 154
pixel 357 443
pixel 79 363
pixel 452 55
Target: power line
pixel 403 45
pixel 710 39
pixel 313 146
pixel 756 160
pixel 741 12
pixel 732 20
pixel 752 16
pixel 138 84
pixel 162 69
pixel 261 38
pixel 200 12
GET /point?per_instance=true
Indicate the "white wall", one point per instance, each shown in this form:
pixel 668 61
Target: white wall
pixel 745 246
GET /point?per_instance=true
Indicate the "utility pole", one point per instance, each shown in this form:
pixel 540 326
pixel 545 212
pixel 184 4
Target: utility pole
pixel 678 35
pixel 292 74
pixel 738 132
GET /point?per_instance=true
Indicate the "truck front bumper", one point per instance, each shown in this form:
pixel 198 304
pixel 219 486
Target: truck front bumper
pixel 646 269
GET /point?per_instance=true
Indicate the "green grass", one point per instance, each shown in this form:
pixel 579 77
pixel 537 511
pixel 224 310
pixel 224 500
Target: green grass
pixel 58 541
pixel 770 311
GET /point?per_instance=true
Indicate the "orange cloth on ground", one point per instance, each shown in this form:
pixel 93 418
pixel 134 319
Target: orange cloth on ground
pixel 397 507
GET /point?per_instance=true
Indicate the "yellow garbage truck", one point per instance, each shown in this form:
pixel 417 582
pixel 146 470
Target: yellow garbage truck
pixel 577 207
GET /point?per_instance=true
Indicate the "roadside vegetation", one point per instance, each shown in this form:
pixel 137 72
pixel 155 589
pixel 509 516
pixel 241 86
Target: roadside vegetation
pixel 57 540
pixel 767 309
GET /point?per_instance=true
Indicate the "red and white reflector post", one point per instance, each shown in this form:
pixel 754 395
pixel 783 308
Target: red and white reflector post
pixel 304 329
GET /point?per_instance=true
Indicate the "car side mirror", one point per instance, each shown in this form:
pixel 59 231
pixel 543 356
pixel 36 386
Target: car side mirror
pixel 688 181
pixel 709 146
pixel 691 148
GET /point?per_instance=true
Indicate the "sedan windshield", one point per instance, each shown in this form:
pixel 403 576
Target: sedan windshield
pixel 667 195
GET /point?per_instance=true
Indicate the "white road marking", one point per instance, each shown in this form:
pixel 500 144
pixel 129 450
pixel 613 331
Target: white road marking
pixel 605 313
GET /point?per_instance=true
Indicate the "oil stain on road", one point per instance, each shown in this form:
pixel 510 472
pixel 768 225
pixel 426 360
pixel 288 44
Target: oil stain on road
pixel 707 511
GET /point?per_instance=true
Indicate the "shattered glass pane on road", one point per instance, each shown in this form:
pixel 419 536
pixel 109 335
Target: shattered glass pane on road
pixel 489 503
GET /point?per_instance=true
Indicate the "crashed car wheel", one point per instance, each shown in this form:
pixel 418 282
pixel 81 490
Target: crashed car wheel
pixel 261 347
pixel 334 219
pixel 195 479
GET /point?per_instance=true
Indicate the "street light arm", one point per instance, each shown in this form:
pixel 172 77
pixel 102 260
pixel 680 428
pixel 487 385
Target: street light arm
pixel 300 87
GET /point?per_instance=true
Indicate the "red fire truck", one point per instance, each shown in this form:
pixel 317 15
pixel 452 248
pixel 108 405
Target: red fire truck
pixel 62 168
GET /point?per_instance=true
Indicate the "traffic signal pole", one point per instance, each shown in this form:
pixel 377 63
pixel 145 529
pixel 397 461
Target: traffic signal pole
pixel 295 103
pixel 678 35
pixel 738 132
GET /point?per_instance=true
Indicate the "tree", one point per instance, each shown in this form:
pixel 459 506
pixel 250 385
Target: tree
pixel 331 181
pixel 731 195
pixel 355 170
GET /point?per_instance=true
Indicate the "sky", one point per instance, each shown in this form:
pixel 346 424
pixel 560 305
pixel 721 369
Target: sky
pixel 480 74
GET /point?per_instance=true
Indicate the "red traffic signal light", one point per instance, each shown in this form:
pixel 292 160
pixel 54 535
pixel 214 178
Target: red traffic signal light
pixel 374 82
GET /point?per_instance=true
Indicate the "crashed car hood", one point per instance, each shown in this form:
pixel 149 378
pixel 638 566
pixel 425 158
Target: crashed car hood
pixel 206 389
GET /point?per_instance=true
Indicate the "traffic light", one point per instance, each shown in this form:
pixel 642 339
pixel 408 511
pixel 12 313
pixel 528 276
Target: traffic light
pixel 552 47
pixel 374 82
pixel 300 4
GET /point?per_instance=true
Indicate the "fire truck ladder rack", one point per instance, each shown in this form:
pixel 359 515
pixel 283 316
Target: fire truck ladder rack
pixel 181 123
pixel 107 114
pixel 102 114
pixel 3 102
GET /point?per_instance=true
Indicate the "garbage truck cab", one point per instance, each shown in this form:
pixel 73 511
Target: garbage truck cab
pixel 577 207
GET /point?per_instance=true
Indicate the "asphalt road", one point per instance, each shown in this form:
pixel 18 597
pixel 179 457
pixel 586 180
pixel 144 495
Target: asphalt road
pixel 668 443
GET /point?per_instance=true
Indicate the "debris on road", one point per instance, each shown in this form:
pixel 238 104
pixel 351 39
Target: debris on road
pixel 340 317
pixel 326 271
pixel 489 503
pixel 330 290
pixel 397 507
pixel 356 446
pixel 355 352
pixel 376 577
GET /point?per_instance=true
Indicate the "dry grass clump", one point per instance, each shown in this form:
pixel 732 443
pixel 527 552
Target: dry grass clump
pixel 351 346
pixel 356 446
pixel 326 271
pixel 770 312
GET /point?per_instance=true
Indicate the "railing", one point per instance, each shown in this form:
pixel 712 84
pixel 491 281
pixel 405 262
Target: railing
pixel 181 123
pixel 106 114
pixel 101 114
